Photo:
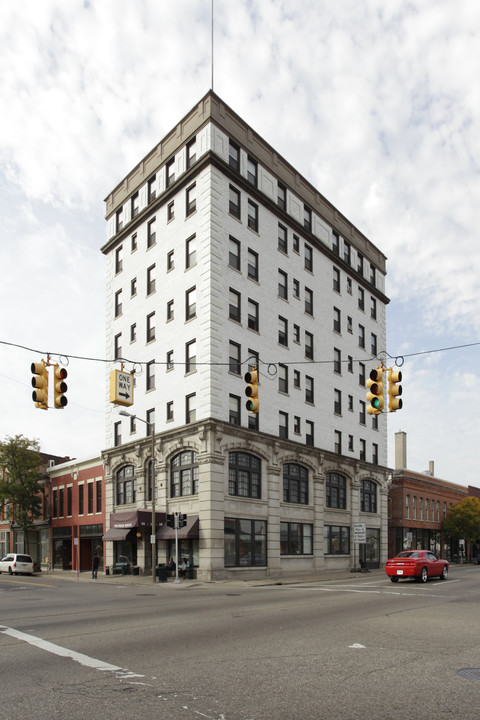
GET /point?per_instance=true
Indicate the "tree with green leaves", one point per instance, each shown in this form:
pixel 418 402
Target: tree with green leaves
pixel 463 520
pixel 20 480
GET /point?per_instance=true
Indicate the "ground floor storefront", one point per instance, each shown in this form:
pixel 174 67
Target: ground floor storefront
pixel 255 506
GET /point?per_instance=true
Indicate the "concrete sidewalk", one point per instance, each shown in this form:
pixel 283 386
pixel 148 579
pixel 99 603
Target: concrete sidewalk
pixel 146 580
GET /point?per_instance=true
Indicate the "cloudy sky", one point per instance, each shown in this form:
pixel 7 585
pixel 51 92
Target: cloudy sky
pixel 374 102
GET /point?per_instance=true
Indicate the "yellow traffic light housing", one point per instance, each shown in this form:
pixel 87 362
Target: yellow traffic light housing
pixel 40 383
pixel 375 392
pixel 394 390
pixel 251 391
pixel 60 387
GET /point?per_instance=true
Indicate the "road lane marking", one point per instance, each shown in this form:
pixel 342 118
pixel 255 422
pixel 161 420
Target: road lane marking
pixel 58 650
pixel 29 585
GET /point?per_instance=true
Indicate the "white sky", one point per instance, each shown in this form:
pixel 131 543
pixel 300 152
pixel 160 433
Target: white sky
pixel 376 102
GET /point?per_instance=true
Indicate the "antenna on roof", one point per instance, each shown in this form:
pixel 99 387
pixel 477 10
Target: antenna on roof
pixel 212 43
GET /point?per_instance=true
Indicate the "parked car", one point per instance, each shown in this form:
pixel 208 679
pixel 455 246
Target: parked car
pixel 419 564
pixel 14 564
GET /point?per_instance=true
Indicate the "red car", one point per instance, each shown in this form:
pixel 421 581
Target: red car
pixel 419 564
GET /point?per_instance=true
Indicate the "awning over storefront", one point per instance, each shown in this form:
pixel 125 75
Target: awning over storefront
pixel 116 534
pixel 189 532
pixel 121 523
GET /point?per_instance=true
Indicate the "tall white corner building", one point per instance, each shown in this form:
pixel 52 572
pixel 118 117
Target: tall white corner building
pixel 222 257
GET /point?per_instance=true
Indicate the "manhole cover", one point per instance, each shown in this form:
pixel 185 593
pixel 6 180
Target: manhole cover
pixel 469 673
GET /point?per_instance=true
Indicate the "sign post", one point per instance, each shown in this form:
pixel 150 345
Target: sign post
pixel 359 537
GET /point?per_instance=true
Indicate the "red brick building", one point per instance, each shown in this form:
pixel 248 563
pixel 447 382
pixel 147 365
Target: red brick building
pixel 77 514
pixel 418 502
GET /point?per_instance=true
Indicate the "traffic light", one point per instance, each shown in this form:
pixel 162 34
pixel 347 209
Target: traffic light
pixel 375 392
pixel 40 382
pixel 394 390
pixel 251 391
pixel 182 520
pixel 171 520
pixel 59 387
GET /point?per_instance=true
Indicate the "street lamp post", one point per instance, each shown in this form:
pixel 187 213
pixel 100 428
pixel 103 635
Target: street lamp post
pixel 153 539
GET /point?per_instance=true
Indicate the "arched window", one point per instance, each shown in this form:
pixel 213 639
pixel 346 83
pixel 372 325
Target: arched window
pixel 126 485
pixel 184 474
pixel 295 484
pixel 336 491
pixel 244 475
pixel 368 498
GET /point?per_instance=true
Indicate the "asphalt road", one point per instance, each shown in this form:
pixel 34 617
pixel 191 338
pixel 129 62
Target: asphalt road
pixel 355 648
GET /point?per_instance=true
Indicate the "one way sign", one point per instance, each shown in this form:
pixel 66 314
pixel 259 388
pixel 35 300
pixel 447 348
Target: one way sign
pixel 121 387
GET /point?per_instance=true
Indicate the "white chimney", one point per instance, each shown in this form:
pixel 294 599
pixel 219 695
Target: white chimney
pixel 400 450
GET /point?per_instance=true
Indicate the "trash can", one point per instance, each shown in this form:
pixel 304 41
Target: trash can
pixel 136 570
pixel 107 570
pixel 190 573
pixel 162 573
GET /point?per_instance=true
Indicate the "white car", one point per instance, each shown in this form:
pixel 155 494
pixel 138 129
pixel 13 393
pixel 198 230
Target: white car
pixel 13 563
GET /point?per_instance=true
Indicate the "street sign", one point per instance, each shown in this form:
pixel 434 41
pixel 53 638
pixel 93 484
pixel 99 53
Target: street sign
pixel 359 532
pixel 121 387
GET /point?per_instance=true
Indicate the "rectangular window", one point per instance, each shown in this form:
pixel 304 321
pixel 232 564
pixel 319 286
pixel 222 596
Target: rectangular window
pixel 282 284
pixel 282 238
pixel 117 434
pixel 234 202
pixel 245 542
pixel 171 211
pixel 169 360
pixel 252 215
pixel 253 320
pixel 150 335
pixel 234 358
pixel 119 220
pixel 337 441
pixel 191 152
pixel 234 155
pixel 170 260
pixel 335 242
pixel 191 251
pixel 169 417
pixel 373 308
pixel 282 196
pixel 234 253
pixel 119 259
pixel 361 374
pixel 362 414
pixel 151 232
pixel 373 344
pixel 296 379
pixel 252 171
pixel 308 345
pixel 135 205
pixel 190 409
pixel 234 311
pixel 152 192
pixel 296 288
pixel 307 218
pixel 296 244
pixel 309 389
pixel 308 301
pixel 133 332
pixel 118 303
pixel 360 263
pixel 150 418
pixel 234 409
pixel 337 361
pixel 69 501
pixel 190 356
pixel 372 274
pixel 361 299
pixel 296 333
pixel 80 499
pixel 252 260
pixel 117 347
pixel 296 425
pixel 337 540
pixel 133 243
pixel 150 376
pixel 282 331
pixel 191 199
pixel 170 172
pixel 283 425
pixel 309 433
pixel 296 539
pixel 191 303
pixel 282 378
pixel 346 252
pixel 336 279
pixel 308 258
pixel 337 402
pixel 361 336
pixel 90 497
pixel 337 320
pixel 98 493
pixel 170 310
pixel 151 280
pixel 133 287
